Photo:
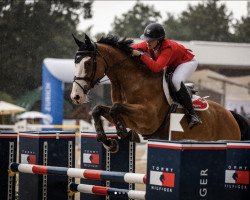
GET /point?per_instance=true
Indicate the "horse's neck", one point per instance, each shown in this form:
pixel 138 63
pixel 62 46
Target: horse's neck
pixel 129 77
pixel 121 67
pixel 127 73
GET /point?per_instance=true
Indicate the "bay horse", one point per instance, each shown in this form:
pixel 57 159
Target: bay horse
pixel 138 99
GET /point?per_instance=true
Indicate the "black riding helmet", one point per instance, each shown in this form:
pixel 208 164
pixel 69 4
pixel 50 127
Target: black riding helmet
pixel 153 31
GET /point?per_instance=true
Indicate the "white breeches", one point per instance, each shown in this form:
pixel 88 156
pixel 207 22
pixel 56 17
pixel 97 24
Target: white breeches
pixel 183 72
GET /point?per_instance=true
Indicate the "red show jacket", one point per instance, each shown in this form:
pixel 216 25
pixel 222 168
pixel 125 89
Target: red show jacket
pixel 170 54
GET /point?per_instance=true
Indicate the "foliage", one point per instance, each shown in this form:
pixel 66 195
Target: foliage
pixel 30 32
pixel 6 97
pixel 173 28
pixel 207 20
pixel 133 22
pixel 242 30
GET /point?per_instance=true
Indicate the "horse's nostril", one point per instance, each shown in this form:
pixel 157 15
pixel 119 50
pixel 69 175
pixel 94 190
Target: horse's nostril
pixel 77 97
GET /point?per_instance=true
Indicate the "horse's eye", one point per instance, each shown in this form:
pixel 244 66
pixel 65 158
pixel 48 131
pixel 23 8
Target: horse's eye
pixel 87 64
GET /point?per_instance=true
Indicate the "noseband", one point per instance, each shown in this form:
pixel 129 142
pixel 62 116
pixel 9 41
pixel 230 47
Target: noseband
pixel 78 57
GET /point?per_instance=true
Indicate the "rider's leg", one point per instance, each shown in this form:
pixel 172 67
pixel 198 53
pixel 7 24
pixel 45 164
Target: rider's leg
pixel 181 74
pixel 185 101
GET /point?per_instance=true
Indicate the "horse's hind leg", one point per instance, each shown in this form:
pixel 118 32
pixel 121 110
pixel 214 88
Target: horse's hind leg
pixel 97 112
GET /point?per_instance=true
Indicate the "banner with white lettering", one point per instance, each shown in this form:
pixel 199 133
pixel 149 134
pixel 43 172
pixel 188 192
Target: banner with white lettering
pixel 52 97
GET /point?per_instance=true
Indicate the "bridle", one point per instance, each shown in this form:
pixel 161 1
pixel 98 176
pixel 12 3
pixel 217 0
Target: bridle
pixel 90 80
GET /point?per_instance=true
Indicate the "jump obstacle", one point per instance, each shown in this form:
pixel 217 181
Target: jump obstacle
pixel 88 174
pixel 175 170
pixel 106 191
pixel 79 173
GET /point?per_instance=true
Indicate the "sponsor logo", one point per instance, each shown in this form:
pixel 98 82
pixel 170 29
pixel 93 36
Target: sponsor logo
pixel 48 97
pixel 203 183
pixel 91 158
pixel 148 31
pixel 28 159
pixel 164 179
pixel 237 177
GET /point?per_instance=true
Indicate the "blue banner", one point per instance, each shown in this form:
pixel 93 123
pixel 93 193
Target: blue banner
pixel 52 97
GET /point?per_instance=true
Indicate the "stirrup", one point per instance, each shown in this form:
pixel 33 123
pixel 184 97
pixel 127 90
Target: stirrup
pixel 197 121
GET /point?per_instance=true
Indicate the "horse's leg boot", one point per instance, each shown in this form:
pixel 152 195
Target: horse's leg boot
pixel 185 100
pixel 115 112
pixel 133 137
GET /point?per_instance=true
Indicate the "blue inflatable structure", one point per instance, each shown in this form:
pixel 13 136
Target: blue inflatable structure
pixel 56 72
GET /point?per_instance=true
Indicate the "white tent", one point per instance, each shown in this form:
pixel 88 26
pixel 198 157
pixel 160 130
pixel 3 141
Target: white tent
pixel 33 115
pixel 8 108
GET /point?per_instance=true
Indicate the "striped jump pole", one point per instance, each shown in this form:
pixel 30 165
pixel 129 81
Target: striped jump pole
pixel 104 191
pixel 79 173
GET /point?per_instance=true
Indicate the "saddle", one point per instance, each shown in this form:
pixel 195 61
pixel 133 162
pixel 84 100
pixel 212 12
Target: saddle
pixel 199 103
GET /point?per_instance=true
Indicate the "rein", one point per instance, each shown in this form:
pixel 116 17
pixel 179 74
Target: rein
pixel 90 79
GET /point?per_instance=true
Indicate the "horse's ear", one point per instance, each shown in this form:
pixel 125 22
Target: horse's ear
pixel 88 41
pixel 78 42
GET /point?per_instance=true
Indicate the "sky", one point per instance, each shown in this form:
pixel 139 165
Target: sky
pixel 105 11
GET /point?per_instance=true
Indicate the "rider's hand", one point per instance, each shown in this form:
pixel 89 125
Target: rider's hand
pixel 136 53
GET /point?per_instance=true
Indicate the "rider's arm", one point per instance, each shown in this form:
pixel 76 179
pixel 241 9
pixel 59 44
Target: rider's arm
pixel 140 46
pixel 161 62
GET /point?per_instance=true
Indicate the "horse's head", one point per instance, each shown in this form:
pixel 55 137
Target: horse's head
pixel 89 69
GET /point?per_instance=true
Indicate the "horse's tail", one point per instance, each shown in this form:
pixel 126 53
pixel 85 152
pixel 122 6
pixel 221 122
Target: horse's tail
pixel 243 124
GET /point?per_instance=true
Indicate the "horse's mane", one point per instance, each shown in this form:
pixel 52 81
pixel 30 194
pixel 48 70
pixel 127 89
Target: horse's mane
pixel 124 44
pixel 115 41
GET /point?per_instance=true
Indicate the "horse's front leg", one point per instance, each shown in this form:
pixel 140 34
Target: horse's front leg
pixel 98 111
pixel 115 112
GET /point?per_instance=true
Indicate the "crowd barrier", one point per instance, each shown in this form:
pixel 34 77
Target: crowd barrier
pixel 185 170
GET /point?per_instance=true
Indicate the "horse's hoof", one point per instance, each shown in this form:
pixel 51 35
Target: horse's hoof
pixel 134 137
pixel 113 147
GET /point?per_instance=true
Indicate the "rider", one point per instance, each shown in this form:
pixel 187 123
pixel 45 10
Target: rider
pixel 165 53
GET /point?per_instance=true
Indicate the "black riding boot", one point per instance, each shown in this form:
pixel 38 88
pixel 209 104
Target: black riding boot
pixel 185 100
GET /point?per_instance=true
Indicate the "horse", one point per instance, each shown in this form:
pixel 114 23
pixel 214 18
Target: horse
pixel 138 99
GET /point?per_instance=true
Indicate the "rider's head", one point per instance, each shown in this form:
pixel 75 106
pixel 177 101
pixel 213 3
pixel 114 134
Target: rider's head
pixel 153 34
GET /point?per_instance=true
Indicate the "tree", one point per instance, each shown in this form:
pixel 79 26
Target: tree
pixel 173 28
pixel 132 23
pixel 206 21
pixel 30 32
pixel 6 97
pixel 242 30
